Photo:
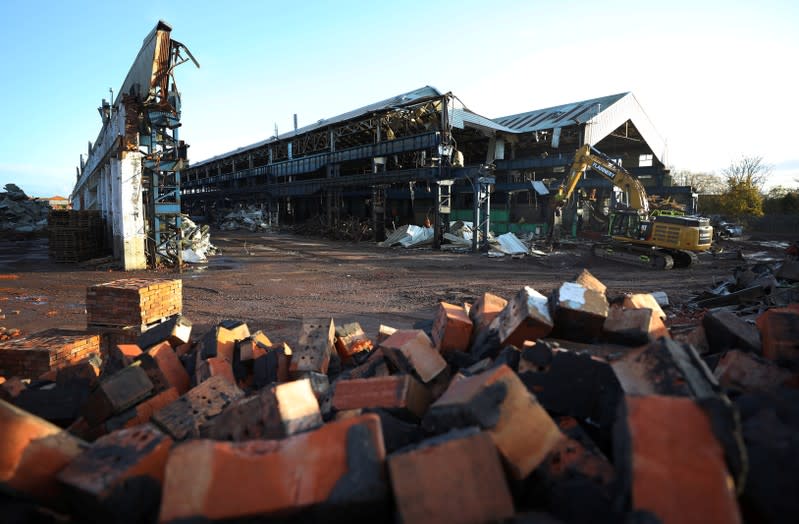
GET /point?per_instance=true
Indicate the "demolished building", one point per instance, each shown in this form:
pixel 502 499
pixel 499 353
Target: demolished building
pixel 132 170
pixel 423 155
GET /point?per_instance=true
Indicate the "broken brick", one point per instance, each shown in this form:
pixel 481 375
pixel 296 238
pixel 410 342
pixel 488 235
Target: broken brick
pixel 526 317
pixel 221 341
pixel 398 392
pixel 10 388
pixel 337 467
pixel 175 330
pixel 633 327
pixel 142 412
pixel 272 366
pixel 118 479
pixel 374 366
pixel 412 349
pixel 665 367
pixel 253 346
pixel 577 385
pixel 186 416
pixel 314 348
pixel 535 356
pixel 452 328
pixel 383 332
pixel 170 366
pixel 779 329
pixel 83 371
pixel 276 412
pixel 641 301
pixel 725 330
pixel 351 339
pixel 33 452
pixel 485 310
pixel 676 471
pixel 124 354
pixel 497 401
pixel 457 479
pixel 214 367
pixel 745 371
pixel 695 337
pixel 117 393
pixel 154 373
pixel 59 404
pixel 578 312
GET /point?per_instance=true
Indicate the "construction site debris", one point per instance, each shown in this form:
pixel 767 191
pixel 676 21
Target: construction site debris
pixel 196 242
pixel 19 213
pixel 250 218
pixel 483 417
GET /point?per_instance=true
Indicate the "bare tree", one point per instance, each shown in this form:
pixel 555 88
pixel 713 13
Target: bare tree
pixel 703 183
pixel 749 171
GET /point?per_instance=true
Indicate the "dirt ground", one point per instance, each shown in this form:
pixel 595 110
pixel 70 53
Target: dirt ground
pixel 273 280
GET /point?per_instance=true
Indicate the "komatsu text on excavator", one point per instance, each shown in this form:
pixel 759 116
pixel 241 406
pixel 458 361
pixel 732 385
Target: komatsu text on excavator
pixel 662 241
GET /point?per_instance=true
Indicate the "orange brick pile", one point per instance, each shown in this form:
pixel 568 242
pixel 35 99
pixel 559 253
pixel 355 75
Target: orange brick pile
pixel 34 355
pixel 133 301
pixel 477 416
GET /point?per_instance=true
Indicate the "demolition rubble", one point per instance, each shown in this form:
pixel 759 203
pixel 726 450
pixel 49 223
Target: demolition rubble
pixel 573 407
pixel 19 214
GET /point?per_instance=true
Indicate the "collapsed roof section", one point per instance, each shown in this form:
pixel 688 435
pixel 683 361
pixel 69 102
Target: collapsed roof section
pixel 600 117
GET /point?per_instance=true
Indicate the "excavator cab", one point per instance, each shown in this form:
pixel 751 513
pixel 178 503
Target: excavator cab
pixel 629 224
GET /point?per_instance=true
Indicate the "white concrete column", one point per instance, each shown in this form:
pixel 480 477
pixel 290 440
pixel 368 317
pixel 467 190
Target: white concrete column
pixel 128 216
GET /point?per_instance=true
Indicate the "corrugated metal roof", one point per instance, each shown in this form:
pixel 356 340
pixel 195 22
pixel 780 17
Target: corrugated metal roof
pixel 559 116
pixel 404 99
pixel 460 118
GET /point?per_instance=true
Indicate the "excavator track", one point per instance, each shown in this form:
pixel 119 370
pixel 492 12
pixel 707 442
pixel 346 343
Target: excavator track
pixel 635 255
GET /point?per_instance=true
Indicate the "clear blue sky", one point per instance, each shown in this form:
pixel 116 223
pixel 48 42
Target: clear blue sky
pixel 718 80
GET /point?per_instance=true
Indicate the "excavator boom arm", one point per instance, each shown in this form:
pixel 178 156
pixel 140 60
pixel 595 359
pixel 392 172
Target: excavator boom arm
pixel 588 157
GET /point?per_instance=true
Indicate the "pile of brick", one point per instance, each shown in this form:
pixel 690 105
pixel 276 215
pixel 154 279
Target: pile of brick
pixel 562 408
pixel 75 236
pixel 133 302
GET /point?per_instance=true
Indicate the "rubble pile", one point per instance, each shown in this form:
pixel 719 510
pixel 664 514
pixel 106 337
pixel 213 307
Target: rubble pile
pixel 350 229
pixel 250 218
pixel 19 214
pixel 196 243
pixel 572 407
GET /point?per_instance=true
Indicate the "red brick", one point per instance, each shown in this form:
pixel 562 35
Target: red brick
pixel 142 412
pixel 105 473
pixel 383 332
pixel 526 317
pixel 186 416
pixel 484 311
pixel 499 402
pixel 125 353
pixel 578 311
pixel 117 393
pixel 314 348
pixel 400 392
pixel 214 367
pixel 351 339
pixel 221 341
pixel 694 336
pixel 32 356
pixel 375 366
pixel 33 452
pixel 276 412
pixel 678 469
pixel 452 328
pixel 748 372
pixel 725 330
pixel 779 330
pixel 171 367
pixel 417 350
pixel 571 457
pixel 459 480
pixel 133 301
pixel 253 346
pixel 633 327
pixel 84 370
pixel 643 300
pixel 11 388
pixel 296 473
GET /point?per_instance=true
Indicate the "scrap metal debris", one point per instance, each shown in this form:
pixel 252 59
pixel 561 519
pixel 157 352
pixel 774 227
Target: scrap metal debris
pixel 250 218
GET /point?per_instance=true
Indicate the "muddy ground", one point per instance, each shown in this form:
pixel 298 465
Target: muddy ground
pixel 273 280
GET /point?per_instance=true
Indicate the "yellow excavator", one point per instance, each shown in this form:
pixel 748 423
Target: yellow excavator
pixel 658 240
